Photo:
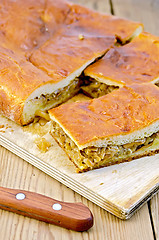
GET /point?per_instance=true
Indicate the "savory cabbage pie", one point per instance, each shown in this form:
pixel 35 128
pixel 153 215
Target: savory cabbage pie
pixel 50 50
pixel 114 128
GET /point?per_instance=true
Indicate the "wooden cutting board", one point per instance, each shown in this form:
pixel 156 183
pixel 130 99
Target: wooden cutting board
pixel 120 189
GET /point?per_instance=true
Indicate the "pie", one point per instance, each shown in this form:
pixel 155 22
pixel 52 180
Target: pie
pixel 44 48
pixel 51 50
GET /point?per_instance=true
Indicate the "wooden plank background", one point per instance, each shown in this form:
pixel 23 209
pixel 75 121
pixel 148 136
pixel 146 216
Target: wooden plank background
pixel 16 173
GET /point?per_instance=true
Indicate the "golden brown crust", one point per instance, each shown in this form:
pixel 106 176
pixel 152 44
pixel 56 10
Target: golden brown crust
pixel 105 25
pixel 65 53
pixel 136 62
pixel 121 112
pixel 27 24
pixel 83 33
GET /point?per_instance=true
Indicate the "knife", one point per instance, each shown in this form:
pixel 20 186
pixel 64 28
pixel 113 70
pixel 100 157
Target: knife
pixel 73 216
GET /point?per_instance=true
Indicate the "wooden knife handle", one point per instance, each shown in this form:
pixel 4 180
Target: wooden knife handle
pixel 74 216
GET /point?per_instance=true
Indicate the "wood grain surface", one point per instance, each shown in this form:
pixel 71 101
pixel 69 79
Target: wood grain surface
pixel 16 173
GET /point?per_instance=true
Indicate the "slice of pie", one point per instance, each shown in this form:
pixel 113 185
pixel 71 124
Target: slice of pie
pixel 136 62
pixel 117 127
pixel 25 89
pixel 21 84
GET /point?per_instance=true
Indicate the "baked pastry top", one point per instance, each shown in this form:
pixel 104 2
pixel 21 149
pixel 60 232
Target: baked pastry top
pixel 116 117
pixel 84 19
pixel 27 24
pixel 68 51
pixel 136 62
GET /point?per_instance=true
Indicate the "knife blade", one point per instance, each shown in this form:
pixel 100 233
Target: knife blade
pixel 73 216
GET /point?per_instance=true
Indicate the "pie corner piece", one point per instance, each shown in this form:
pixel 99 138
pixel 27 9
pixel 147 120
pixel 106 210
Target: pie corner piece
pixel 135 62
pixel 111 129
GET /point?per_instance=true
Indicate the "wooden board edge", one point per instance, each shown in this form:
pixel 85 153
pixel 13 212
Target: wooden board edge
pixel 129 212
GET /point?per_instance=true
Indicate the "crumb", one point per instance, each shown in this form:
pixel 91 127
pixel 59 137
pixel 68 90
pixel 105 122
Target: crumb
pixel 80 36
pixel 35 43
pixel 8 126
pixel 43 114
pixel 2 131
pixel 2 126
pixel 114 171
pixel 101 183
pixel 42 121
pixel 42 144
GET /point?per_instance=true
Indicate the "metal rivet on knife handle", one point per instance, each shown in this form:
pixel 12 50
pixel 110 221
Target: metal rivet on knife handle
pixel 57 206
pixel 20 196
pixel 74 216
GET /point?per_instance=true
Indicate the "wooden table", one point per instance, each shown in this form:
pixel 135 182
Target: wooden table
pixel 16 173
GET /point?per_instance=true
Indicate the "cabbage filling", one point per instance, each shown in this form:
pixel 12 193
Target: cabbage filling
pixel 95 89
pixel 95 157
pixel 47 101
pixel 61 95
